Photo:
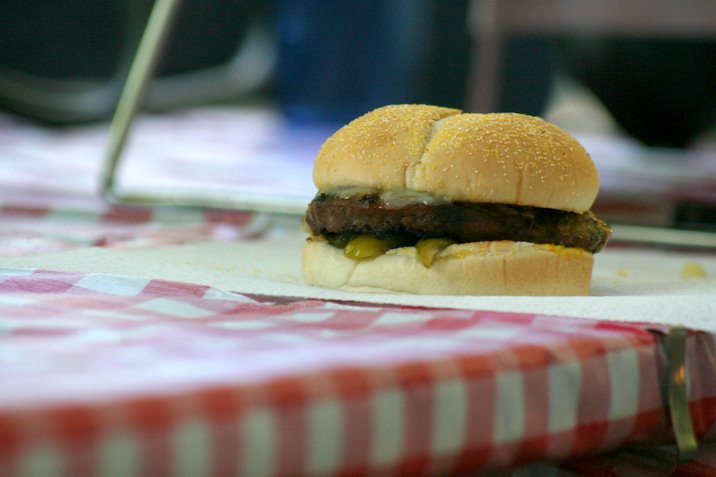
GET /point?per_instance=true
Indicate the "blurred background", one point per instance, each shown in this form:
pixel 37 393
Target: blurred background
pixel 643 71
pixel 329 60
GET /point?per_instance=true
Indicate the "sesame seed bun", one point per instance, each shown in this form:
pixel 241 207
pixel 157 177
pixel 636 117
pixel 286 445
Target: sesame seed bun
pixel 495 158
pixel 477 268
pixel 377 149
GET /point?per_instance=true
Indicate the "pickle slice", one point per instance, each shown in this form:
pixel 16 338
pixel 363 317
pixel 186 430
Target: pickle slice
pixel 428 249
pixel 340 240
pixel 368 246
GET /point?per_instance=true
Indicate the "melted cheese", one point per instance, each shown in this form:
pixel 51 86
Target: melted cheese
pixel 391 197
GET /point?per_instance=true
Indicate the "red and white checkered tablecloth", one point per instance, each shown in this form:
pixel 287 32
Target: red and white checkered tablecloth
pixel 104 375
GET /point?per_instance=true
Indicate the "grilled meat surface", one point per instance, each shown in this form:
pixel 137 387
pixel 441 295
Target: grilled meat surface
pixel 333 216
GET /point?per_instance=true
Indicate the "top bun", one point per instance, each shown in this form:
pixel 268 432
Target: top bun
pixel 496 158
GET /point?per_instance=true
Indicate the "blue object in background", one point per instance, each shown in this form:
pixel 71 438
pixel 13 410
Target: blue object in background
pixel 340 59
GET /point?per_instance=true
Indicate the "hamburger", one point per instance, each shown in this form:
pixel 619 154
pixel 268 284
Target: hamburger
pixel 430 200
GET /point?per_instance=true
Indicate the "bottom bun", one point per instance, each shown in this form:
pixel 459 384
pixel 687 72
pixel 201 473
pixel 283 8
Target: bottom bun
pixel 478 268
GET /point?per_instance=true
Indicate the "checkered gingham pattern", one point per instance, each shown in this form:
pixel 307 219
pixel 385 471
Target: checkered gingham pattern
pixel 112 376
pixel 68 222
pixel 49 179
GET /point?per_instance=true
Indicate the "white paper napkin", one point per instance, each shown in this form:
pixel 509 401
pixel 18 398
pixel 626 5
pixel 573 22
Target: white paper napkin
pixel 628 284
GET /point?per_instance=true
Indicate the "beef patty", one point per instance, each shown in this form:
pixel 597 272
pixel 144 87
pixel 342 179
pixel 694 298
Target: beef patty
pixel 332 216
